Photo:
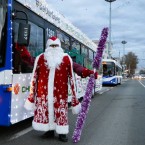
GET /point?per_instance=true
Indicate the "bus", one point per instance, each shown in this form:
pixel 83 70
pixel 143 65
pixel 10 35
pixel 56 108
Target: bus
pixel 25 26
pixel 112 72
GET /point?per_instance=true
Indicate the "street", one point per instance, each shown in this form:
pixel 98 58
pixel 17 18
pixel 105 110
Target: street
pixel 116 117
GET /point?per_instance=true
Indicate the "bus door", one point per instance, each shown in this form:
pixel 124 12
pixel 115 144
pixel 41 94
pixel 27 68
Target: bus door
pixel 23 63
pixel 5 61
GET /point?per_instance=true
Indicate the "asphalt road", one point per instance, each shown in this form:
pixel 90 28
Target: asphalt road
pixel 116 117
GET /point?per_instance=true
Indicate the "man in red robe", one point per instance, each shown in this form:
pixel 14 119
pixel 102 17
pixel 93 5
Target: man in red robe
pixel 49 90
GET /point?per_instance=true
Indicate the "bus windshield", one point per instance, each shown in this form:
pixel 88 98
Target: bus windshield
pixel 3 11
pixel 108 69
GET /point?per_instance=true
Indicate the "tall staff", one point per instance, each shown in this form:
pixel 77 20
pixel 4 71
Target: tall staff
pixel 87 97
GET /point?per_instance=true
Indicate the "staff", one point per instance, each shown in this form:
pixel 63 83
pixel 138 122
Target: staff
pixel 87 97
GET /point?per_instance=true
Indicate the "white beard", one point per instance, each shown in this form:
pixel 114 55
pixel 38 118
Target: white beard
pixel 53 56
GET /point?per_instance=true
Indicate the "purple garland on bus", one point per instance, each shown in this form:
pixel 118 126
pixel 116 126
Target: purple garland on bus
pixel 87 97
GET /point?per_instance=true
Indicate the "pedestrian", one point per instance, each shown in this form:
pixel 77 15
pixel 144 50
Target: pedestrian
pixel 49 90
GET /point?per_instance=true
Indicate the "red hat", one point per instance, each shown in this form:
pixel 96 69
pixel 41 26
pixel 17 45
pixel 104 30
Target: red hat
pixel 53 41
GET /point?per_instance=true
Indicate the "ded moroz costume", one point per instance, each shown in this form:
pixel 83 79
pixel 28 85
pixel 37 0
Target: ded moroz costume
pixel 49 89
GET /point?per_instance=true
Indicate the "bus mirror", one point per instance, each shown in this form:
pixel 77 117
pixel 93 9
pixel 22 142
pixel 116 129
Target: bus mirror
pixel 24 34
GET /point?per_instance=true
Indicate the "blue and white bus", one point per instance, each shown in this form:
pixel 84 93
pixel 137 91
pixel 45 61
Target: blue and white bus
pixel 112 72
pixel 25 26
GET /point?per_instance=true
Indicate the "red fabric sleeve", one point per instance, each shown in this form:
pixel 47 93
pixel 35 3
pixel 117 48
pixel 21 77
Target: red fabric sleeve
pixel 25 54
pixel 78 69
pixel 86 73
pixel 82 71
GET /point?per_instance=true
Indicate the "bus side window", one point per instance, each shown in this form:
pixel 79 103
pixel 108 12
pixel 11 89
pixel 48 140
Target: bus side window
pixel 3 29
pixel 110 72
pixel 117 71
pixel 24 57
pixel 23 60
pixel 65 40
pixel 105 70
pixel 73 58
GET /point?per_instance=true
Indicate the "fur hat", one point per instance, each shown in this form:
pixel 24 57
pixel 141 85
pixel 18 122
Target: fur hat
pixel 53 41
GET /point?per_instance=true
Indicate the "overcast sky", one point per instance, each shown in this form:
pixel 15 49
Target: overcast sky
pixel 91 16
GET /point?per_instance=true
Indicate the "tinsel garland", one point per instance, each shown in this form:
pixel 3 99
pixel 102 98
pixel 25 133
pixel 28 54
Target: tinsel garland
pixel 88 94
pixel 100 49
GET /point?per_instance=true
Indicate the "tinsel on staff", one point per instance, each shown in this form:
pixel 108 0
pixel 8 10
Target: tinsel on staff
pixel 87 97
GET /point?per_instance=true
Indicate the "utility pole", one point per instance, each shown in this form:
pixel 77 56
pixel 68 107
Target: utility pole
pixel 124 42
pixel 109 48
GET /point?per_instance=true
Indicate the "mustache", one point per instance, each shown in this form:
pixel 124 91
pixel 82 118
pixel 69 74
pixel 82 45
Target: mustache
pixel 51 49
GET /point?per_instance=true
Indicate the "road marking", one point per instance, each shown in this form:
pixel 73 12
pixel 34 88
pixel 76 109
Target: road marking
pixel 21 133
pixel 105 90
pixel 142 84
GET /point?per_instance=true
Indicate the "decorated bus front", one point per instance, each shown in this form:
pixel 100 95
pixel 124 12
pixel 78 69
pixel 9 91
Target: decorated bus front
pixel 112 72
pixel 14 86
pixel 5 61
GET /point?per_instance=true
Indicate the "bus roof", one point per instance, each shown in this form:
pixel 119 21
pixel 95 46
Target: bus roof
pixel 46 11
pixel 112 60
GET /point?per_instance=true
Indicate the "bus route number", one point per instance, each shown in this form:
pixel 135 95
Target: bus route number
pixel 50 32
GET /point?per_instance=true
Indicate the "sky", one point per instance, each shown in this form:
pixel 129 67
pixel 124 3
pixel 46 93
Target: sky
pixel 127 22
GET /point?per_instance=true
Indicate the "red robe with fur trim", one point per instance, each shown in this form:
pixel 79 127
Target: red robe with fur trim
pixel 49 95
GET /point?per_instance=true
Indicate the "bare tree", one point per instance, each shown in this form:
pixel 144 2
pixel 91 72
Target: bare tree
pixel 142 71
pixel 131 61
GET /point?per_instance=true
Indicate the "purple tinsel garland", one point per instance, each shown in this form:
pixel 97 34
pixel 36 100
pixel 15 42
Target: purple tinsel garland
pixel 100 49
pixel 87 97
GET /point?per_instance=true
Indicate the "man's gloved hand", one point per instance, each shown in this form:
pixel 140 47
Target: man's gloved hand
pixel 96 74
pixel 87 73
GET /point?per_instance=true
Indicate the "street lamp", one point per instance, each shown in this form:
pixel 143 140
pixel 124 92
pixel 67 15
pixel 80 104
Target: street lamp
pixel 124 42
pixel 109 49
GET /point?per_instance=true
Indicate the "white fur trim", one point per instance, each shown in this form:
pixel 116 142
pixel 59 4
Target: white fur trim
pixel 28 105
pixel 51 95
pixel 62 129
pixel 51 42
pixel 43 127
pixel 76 109
pixel 35 64
pixel 73 77
pixel 34 68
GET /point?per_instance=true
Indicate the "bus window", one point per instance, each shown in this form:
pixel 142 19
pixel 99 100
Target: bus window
pixel 65 42
pixel 3 28
pixel 109 69
pixel 50 31
pixel 73 58
pixel 76 45
pixel 91 54
pixel 84 50
pixel 23 57
pixel 90 64
pixel 86 62
pixel 105 73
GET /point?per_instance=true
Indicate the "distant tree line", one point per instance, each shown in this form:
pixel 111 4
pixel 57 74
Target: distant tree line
pixel 142 71
pixel 131 61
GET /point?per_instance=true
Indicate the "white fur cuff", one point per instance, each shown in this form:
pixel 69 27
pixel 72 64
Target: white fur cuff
pixel 76 109
pixel 28 105
pixel 43 127
pixel 62 129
